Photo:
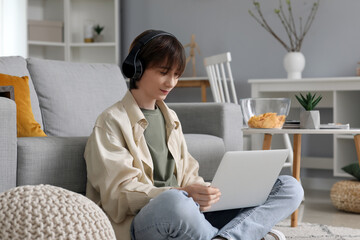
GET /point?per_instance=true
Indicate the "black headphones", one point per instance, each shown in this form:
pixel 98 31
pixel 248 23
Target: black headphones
pixel 132 67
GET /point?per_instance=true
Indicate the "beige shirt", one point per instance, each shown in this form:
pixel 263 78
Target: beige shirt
pixel 119 164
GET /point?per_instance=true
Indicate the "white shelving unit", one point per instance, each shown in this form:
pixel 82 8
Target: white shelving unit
pixel 74 14
pixel 341 95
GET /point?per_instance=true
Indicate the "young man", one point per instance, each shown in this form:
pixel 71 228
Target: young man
pixel 141 173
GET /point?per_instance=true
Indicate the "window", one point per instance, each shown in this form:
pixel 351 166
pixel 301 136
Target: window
pixel 13 28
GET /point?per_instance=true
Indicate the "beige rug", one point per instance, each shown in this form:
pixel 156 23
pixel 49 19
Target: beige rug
pixel 310 231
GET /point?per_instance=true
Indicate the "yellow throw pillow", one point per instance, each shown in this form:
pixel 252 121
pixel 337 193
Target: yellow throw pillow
pixel 27 126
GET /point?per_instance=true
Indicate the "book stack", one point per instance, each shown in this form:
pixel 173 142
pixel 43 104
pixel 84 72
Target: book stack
pixel 291 124
pixel 335 126
pixel 295 124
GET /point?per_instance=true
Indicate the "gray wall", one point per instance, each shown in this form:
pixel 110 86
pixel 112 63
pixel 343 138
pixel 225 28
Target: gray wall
pixel 331 48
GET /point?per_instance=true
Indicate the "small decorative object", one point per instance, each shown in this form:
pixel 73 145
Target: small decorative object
pixel 294 64
pixel 47 31
pixel 192 45
pixel 89 31
pixel 7 92
pixel 98 36
pixel 310 118
pixel 294 61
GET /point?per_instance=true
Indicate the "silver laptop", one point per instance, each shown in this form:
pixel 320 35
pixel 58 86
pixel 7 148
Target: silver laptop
pixel 245 178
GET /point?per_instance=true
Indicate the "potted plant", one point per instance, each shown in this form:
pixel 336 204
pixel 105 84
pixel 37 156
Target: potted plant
pixel 309 118
pixel 294 60
pixel 98 29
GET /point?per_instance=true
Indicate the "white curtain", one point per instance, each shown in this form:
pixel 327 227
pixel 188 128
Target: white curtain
pixel 13 28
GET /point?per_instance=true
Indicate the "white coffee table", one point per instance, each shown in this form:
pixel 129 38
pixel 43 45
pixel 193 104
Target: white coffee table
pixel 297 146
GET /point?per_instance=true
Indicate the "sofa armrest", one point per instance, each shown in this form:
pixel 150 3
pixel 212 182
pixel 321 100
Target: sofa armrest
pixel 223 120
pixel 8 144
pixel 57 161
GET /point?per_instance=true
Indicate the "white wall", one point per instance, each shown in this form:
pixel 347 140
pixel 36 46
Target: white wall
pixel 13 28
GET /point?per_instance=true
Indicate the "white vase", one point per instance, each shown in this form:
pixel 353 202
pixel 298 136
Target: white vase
pixel 294 64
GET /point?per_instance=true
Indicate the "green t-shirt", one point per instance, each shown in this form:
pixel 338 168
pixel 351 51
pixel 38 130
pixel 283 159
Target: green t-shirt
pixel 155 135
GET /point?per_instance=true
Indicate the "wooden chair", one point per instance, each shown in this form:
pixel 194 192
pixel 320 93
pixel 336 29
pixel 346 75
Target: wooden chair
pixel 220 77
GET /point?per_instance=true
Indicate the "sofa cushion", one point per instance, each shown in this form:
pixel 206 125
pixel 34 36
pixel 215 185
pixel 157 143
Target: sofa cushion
pixel 353 169
pixel 208 151
pixel 223 120
pixel 17 66
pixel 56 161
pixel 26 124
pixel 59 161
pixel 72 95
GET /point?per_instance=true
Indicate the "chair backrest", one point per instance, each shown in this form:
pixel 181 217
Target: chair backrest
pixel 220 77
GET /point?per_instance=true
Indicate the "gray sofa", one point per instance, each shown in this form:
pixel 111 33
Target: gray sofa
pixel 66 99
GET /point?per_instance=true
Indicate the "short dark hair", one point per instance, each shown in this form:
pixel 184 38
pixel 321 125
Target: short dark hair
pixel 164 49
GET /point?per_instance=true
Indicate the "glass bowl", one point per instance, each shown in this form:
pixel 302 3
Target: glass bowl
pixel 265 112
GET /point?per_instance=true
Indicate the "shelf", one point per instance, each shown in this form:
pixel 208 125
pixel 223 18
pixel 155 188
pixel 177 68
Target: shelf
pixel 95 11
pixel 75 14
pixel 100 44
pixel 317 163
pixel 338 105
pixel 42 43
pixel 47 52
pixel 342 136
pixel 88 54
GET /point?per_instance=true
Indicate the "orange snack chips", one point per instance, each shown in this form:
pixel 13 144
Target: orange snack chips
pixel 267 120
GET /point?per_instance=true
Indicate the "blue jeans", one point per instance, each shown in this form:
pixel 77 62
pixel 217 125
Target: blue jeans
pixel 173 215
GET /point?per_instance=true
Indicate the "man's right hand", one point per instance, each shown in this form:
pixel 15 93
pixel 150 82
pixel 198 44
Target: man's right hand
pixel 205 196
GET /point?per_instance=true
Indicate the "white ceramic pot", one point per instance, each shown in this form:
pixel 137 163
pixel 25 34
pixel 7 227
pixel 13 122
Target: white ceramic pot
pixel 310 119
pixel 294 64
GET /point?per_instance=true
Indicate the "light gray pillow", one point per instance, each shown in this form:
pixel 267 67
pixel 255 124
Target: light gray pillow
pixel 72 95
pixel 16 66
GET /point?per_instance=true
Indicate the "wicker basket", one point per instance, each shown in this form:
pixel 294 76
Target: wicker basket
pixel 345 195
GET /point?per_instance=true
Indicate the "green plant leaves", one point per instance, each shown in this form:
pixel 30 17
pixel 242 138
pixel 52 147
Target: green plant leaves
pixel 309 102
pixel 98 29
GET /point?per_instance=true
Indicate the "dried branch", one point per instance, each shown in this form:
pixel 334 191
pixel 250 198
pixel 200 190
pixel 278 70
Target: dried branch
pixel 286 26
pixel 291 18
pixel 265 25
pixel 287 20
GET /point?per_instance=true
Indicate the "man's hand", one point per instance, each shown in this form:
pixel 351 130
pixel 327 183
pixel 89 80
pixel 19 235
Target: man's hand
pixel 205 196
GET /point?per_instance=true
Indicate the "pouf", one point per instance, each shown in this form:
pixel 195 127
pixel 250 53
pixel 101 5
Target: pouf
pixel 345 195
pixel 49 212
